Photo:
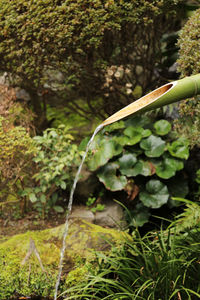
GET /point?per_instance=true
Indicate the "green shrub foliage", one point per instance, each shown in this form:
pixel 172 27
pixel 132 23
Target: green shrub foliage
pixel 16 152
pixel 143 160
pixel 189 64
pixel 16 146
pixel 56 158
pixel 89 49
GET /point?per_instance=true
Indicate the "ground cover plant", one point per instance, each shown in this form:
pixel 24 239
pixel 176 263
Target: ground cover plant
pixel 143 159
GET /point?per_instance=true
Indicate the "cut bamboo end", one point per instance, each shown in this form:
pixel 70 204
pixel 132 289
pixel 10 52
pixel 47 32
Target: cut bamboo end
pixel 140 104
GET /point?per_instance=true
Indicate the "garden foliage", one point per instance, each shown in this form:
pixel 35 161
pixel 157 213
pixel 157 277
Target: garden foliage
pixel 160 265
pixel 56 158
pixel 143 159
pixel 16 145
pixel 84 49
pixel 189 64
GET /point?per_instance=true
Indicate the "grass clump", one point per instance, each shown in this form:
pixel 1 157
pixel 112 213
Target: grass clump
pixel 160 265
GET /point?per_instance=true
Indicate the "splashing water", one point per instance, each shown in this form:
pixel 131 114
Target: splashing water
pixel 69 208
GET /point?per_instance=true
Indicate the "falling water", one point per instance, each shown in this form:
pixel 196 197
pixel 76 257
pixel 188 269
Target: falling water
pixel 69 211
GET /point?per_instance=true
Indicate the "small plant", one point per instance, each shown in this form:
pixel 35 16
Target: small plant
pixel 144 160
pixel 98 207
pixel 91 202
pixel 56 159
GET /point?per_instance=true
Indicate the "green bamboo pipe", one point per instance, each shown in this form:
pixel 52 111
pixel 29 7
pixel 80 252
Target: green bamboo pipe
pixel 164 95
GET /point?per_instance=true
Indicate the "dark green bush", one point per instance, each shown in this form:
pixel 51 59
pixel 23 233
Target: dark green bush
pixel 189 64
pixel 93 50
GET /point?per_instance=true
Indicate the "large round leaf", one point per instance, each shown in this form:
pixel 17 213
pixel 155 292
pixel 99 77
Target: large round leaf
pixel 129 166
pixel 115 126
pixel 139 216
pixel 154 146
pixel 122 140
pixel 106 151
pixel 146 133
pixel 134 134
pixel 126 163
pixel 107 175
pixel 146 168
pixel 168 167
pixel 179 148
pixel 137 121
pixel 155 195
pixel 162 127
pixel 178 187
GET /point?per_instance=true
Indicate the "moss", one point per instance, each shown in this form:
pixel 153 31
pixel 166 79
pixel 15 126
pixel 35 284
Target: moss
pixel 29 279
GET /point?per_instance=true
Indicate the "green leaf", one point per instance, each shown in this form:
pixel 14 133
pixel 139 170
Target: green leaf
pixel 106 151
pixel 134 134
pixel 146 168
pixel 179 148
pixel 153 146
pixel 168 167
pixel 126 163
pixel 198 176
pixel 83 144
pixel 137 121
pixel 178 187
pixel 146 133
pixel 162 127
pixel 137 169
pixel 139 216
pixel 58 209
pixel 122 140
pixel 43 198
pixel 115 126
pixel 32 197
pixel 63 185
pixel 107 175
pixel 54 197
pixel 155 195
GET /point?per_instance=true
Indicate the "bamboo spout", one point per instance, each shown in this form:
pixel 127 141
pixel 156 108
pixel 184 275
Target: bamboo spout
pixel 164 95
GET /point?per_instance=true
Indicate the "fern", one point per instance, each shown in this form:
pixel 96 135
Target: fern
pixel 190 217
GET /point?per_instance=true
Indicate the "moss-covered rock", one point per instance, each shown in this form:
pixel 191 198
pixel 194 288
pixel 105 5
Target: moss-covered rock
pixel 23 275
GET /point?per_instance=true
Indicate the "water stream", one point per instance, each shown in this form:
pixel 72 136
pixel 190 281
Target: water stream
pixel 69 209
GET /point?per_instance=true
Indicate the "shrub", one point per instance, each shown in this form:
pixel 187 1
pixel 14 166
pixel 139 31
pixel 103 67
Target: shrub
pixel 55 158
pixel 16 148
pixel 189 64
pixel 143 160
pixel 84 49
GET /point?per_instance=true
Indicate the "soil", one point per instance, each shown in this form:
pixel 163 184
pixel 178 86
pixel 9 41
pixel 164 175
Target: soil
pixel 10 226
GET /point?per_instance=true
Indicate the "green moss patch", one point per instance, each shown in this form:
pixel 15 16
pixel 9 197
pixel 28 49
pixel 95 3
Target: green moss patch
pixel 23 274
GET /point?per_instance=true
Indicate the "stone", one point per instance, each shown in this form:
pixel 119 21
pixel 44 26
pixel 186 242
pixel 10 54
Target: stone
pixel 82 212
pixel 111 216
pixel 21 94
pixel 87 184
